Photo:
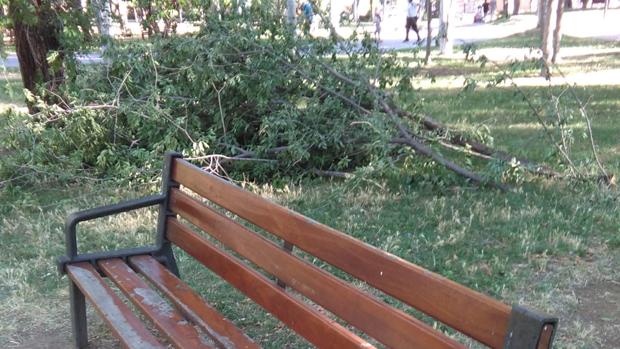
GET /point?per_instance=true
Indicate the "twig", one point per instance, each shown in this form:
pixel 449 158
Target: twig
pixel 228 158
pixel 584 114
pixel 219 103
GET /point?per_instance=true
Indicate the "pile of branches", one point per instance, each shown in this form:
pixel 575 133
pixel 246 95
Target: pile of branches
pixel 252 95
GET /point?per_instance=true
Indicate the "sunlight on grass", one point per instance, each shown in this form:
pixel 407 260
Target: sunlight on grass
pixel 531 38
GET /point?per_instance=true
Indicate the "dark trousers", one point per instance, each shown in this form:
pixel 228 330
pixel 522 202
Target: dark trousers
pixel 412 23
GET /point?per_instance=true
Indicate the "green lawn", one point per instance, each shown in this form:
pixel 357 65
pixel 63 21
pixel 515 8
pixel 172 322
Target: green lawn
pixel 11 94
pixel 532 38
pixel 550 245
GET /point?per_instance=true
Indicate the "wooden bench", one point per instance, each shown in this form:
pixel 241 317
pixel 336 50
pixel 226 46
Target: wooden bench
pixel 187 321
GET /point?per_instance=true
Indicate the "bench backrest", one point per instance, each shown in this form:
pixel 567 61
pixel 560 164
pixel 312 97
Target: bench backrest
pixel 480 317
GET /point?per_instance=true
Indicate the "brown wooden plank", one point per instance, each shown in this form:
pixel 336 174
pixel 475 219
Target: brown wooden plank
pixel 386 324
pixel 545 337
pixel 447 301
pixel 124 324
pixel 167 319
pixel 317 328
pixel 223 332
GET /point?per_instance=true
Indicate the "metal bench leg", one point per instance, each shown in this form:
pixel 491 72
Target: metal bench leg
pixel 169 260
pixel 78 316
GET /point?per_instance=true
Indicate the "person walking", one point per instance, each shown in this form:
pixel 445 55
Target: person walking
pixel 377 21
pixel 306 8
pixel 412 19
pixel 485 10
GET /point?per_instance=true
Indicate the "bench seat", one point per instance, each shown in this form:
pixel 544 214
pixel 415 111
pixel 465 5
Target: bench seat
pixel 184 319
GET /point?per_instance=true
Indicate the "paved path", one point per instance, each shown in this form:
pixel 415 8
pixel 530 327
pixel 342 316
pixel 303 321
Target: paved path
pixel 584 24
pixel 11 60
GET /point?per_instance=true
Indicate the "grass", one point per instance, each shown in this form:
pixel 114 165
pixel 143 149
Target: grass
pixel 514 129
pixel 506 55
pixel 544 245
pixel 11 94
pixel 531 38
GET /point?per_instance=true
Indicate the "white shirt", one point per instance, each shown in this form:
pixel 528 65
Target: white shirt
pixel 412 9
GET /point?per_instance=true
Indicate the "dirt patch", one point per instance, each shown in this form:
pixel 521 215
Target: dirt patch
pixel 599 305
pixel 98 338
pixel 58 341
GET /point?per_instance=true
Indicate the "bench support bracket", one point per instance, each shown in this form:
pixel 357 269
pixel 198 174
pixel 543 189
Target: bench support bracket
pixel 529 330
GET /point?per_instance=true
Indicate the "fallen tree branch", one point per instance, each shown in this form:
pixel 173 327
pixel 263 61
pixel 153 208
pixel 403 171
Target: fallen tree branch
pixel 456 139
pixel 407 138
pixel 476 147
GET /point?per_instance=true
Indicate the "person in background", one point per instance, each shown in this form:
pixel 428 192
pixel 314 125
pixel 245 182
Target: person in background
pixel 412 19
pixel 377 21
pixel 485 9
pixel 306 9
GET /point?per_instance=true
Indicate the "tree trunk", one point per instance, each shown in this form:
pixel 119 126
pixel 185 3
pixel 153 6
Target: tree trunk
pixel 547 33
pixel 557 32
pixel 509 7
pixel 102 17
pixel 606 8
pixel 542 4
pixel 446 15
pixel 290 12
pixel 33 43
pixel 516 7
pixel 585 4
pixel 429 31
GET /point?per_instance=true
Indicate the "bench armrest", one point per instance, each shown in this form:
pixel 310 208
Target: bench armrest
pixel 529 329
pixel 74 218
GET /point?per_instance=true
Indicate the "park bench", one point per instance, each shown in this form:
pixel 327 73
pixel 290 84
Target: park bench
pixel 146 276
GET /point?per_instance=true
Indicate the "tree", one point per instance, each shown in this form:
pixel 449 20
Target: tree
pixel 446 21
pixel 551 34
pixel 540 11
pixel 46 33
pixel 290 12
pixel 429 32
pixel 101 9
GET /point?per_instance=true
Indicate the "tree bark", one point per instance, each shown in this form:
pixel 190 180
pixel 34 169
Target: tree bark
pixel 547 31
pixel 516 7
pixel 429 31
pixel 542 4
pixel 290 12
pixel 102 17
pixel 33 42
pixel 557 32
pixel 446 15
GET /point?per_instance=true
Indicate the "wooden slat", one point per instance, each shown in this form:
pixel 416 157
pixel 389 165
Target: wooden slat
pixel 124 324
pixel 170 323
pixel 223 332
pixel 386 324
pixel 545 337
pixel 307 322
pixel 486 319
